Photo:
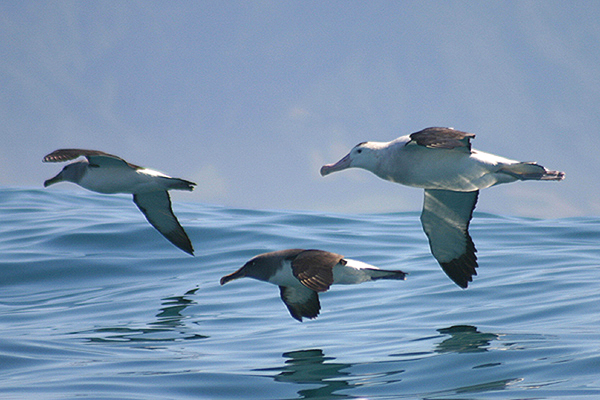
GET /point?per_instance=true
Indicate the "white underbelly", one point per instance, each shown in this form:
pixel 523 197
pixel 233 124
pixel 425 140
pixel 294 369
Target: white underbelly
pixel 117 180
pixel 352 273
pixel 284 277
pixel 450 170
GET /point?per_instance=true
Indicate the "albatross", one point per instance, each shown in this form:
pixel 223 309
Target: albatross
pixel 441 161
pixel 105 173
pixel 302 274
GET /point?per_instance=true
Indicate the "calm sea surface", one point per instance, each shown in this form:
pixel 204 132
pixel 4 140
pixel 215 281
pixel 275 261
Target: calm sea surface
pixel 95 304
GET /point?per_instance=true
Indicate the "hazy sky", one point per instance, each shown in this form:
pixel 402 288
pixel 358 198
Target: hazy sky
pixel 250 98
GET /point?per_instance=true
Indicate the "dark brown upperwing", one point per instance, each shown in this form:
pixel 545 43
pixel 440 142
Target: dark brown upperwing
pixel 442 138
pixel 62 155
pixel 314 268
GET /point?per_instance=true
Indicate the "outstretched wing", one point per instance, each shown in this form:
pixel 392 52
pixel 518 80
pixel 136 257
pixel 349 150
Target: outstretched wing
pixel 93 156
pixel 314 268
pixel 446 216
pixel 156 206
pixel 442 138
pixel 300 302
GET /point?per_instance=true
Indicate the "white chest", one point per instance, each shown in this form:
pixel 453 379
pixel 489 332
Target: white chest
pixel 284 276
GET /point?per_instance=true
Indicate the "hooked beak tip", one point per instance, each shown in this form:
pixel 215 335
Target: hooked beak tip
pixel 58 178
pixel 325 170
pixel 338 166
pixel 52 181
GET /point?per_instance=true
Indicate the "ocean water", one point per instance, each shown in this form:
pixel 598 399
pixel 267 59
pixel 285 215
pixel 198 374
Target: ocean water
pixel 95 304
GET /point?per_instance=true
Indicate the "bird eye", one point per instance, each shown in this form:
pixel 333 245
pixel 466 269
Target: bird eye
pixel 359 151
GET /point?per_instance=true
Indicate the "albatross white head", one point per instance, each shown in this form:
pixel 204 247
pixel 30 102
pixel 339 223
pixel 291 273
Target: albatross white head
pixel 365 155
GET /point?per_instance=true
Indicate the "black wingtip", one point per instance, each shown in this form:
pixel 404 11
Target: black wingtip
pixel 185 247
pixel 178 237
pixel 308 309
pixel 185 244
pixel 299 314
pixel 461 270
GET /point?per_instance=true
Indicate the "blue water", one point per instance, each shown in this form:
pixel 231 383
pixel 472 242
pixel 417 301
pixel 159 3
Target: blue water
pixel 95 304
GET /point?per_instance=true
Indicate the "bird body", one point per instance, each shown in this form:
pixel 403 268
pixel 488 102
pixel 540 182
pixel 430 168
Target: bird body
pixel 441 161
pixel 110 180
pixel 455 166
pixel 442 169
pixel 108 174
pixel 302 274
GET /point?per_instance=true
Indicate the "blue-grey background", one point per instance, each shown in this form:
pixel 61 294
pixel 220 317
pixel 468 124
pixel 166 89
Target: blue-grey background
pixel 250 98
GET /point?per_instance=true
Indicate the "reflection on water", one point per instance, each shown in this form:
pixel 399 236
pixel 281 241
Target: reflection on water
pixel 467 339
pixel 168 327
pixel 488 386
pixel 308 367
pixel 311 367
pixel 170 315
pixel 464 339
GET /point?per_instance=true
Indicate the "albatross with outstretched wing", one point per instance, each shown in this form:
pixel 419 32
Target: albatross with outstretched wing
pixel 302 274
pixel 441 161
pixel 105 173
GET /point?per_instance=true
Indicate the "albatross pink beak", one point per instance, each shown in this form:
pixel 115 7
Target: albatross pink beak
pixel 338 166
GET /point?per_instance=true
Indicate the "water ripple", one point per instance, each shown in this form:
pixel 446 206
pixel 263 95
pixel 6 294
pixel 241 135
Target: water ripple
pixel 95 303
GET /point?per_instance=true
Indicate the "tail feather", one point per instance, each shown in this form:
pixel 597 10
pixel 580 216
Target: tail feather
pixel 182 184
pixel 532 171
pixel 553 176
